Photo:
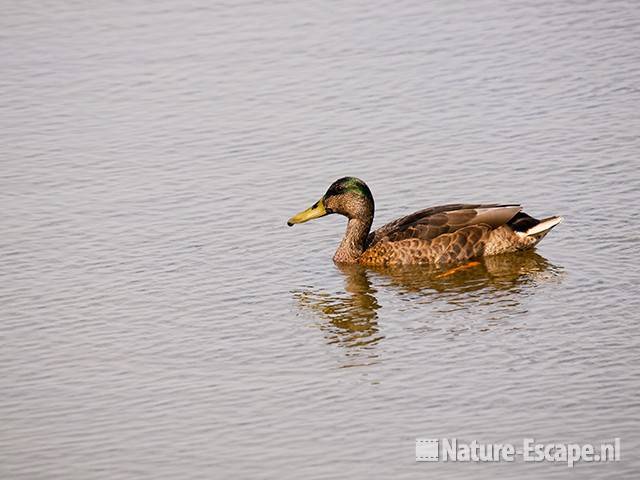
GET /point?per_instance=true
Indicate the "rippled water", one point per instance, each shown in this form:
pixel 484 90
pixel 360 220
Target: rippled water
pixel 160 320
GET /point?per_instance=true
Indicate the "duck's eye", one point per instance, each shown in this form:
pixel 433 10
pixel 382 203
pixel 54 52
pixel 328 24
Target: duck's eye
pixel 332 191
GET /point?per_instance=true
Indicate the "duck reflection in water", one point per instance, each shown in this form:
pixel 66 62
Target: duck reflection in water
pixel 350 318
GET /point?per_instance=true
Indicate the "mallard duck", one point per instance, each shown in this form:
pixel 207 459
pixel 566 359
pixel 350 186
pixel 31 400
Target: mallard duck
pixel 436 235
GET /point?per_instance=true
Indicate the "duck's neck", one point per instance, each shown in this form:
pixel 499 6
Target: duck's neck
pixel 354 240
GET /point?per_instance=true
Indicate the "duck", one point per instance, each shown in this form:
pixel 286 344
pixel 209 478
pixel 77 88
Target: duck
pixel 441 235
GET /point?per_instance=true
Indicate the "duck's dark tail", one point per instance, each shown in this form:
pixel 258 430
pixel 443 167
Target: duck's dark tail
pixel 526 225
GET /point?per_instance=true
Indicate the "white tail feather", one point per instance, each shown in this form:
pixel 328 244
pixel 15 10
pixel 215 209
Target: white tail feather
pixel 544 226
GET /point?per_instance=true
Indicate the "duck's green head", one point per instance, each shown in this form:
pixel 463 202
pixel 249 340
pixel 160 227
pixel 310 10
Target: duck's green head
pixel 348 196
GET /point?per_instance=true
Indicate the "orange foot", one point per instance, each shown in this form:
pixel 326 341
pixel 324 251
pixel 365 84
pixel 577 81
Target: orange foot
pixel 457 269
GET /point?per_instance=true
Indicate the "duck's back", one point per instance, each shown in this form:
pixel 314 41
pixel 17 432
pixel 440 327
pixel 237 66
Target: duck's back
pixel 450 233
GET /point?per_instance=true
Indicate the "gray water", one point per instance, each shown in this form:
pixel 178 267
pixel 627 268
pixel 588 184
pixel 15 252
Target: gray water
pixel 159 320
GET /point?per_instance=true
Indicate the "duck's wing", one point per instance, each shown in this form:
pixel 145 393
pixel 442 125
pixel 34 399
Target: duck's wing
pixel 432 222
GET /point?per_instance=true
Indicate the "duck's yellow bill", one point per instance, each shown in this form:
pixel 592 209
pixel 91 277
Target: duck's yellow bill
pixel 316 211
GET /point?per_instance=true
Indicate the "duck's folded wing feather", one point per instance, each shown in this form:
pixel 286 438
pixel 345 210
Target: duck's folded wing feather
pixel 430 223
